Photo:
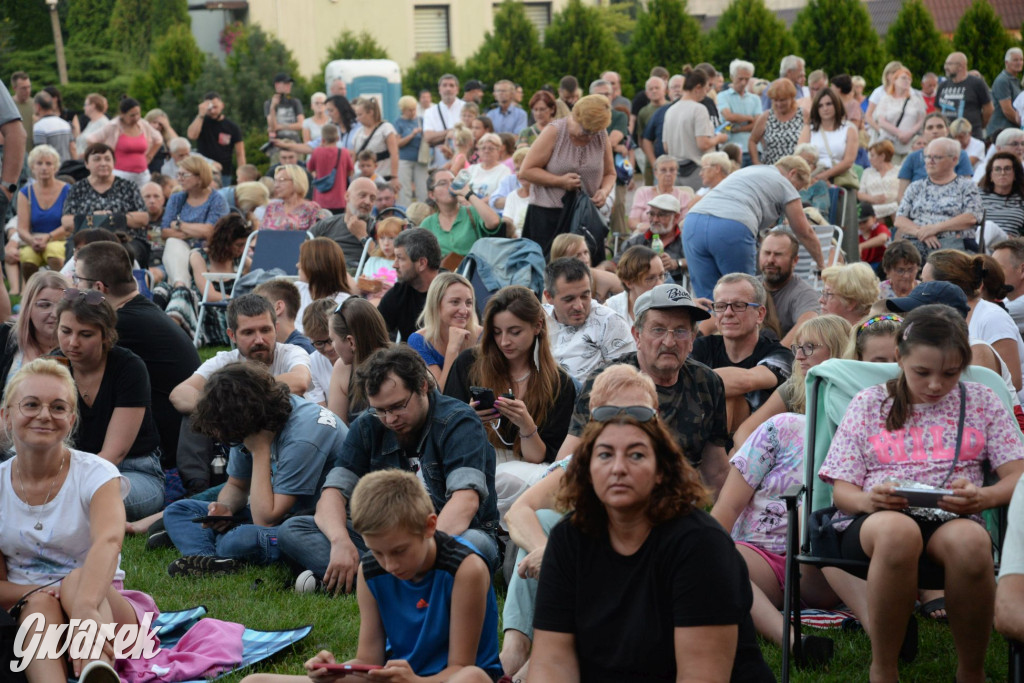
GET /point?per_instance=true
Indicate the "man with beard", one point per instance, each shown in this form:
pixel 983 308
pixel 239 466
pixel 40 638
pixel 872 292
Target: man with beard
pixel 417 263
pixel 410 426
pixel 351 230
pixel 691 397
pixel 795 301
pixel 251 326
pixel 663 220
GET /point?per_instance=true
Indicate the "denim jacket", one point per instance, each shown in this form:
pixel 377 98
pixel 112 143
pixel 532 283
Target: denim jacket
pixel 454 455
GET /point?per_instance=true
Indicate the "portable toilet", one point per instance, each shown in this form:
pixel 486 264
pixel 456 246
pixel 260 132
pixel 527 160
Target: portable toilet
pixel 377 78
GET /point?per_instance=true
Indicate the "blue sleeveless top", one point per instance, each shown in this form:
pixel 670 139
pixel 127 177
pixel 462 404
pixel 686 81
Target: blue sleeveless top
pixel 45 220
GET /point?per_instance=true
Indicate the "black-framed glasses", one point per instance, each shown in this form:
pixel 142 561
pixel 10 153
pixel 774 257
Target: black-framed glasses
pixel 319 344
pixel 638 413
pixel 382 413
pixel 679 333
pixel 806 349
pixel 93 297
pixel 76 279
pixel 736 306
pixel 31 407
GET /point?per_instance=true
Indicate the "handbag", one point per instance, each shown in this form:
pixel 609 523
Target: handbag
pixel 426 153
pixel 327 182
pixel 581 217
pixel 847 179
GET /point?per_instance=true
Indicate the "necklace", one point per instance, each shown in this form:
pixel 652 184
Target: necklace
pixel 39 524
pixel 517 380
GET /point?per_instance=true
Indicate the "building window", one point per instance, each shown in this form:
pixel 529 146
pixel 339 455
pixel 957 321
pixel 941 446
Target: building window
pixel 431 27
pixel 539 14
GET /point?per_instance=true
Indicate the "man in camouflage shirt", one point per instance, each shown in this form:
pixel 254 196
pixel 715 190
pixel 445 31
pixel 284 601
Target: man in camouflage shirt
pixel 691 396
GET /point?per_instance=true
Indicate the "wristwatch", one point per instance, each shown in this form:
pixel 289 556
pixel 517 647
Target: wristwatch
pixel 11 188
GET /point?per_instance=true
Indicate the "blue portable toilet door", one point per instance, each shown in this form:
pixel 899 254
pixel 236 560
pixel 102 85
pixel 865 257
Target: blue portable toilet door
pixel 380 89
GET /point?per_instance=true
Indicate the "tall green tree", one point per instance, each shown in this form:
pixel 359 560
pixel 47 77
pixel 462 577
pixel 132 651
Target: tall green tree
pixel 349 45
pixel 914 40
pixel 512 50
pixel 175 63
pixel 166 15
pixel 581 44
pixel 665 36
pixel 29 22
pixel 427 70
pixel 837 36
pixel 980 35
pixel 130 29
pixel 255 58
pixel 749 30
pixel 89 21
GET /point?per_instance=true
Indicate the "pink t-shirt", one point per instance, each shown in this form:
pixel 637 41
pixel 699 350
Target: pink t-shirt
pixel 865 453
pixel 131 153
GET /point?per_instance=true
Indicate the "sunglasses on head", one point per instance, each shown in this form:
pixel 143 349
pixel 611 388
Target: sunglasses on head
pixel 638 413
pixel 93 297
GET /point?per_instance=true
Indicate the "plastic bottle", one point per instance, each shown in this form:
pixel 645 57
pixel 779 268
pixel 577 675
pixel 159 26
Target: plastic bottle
pixel 460 181
pixel 656 244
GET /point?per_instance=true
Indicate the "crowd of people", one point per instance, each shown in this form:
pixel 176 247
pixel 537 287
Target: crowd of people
pixel 613 442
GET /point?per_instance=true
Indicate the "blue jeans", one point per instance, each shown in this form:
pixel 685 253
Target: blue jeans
pixel 249 542
pixel 146 477
pixel 714 247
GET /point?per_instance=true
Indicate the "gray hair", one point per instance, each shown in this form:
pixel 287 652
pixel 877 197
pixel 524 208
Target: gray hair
pixel 43 151
pixel 760 294
pixel 1009 135
pixel 678 78
pixel 599 83
pixel 960 125
pixel 445 77
pixel 650 80
pixel 666 159
pixel 1011 52
pixel 807 148
pixel 947 145
pixel 420 243
pixel 179 143
pixel 719 159
pixel 789 62
pixel 737 65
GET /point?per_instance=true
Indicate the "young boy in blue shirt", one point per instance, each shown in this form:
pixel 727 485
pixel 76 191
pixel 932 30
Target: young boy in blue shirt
pixel 421 592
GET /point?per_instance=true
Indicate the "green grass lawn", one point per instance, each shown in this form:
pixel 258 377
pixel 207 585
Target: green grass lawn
pixel 263 598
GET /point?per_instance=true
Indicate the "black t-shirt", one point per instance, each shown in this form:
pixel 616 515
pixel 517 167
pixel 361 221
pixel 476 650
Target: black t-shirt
pixel 623 611
pixel 170 359
pixel 556 423
pixel 768 352
pixel 965 99
pixel 125 384
pixel 217 141
pixel 401 307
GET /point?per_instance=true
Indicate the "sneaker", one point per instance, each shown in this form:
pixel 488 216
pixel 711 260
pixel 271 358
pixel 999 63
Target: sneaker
pixel 158 536
pixel 203 565
pixel 308 582
pixel 98 672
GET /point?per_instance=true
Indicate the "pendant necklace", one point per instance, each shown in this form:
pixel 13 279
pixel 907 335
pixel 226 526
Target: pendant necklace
pixel 39 524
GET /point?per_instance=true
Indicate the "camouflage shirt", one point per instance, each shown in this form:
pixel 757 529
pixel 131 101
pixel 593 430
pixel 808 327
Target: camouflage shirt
pixel 693 409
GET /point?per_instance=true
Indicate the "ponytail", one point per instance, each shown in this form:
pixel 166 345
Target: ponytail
pixel 899 392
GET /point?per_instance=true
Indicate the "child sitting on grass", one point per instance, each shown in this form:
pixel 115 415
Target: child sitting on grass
pixel 421 592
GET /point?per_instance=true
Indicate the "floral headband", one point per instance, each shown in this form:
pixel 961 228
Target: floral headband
pixel 877 319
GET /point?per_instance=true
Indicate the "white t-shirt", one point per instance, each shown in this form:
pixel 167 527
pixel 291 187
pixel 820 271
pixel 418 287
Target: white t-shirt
pixel 990 324
pixel 435 120
pixel 305 299
pixel 485 182
pixel 620 304
pixel 1015 308
pixel 1004 372
pixel 38 557
pixel 287 357
pixel 604 336
pixel 321 369
pixel 515 210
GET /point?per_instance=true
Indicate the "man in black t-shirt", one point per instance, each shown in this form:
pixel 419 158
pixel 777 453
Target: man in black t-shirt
pixel 217 137
pixel 417 262
pixel 145 330
pixel 751 364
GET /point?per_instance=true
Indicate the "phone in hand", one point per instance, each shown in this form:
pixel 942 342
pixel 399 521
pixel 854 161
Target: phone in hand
pixel 922 498
pixel 483 396
pixel 213 519
pixel 348 668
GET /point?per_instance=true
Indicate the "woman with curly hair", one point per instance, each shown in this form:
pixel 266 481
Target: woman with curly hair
pixel 323 274
pixel 1002 192
pixel 672 585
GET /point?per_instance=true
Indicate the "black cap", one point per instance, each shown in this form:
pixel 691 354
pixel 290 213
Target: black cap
pixel 865 210
pixel 283 78
pixel 473 85
pixel 934 292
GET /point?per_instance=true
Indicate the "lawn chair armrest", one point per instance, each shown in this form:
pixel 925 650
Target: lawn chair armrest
pixel 792 495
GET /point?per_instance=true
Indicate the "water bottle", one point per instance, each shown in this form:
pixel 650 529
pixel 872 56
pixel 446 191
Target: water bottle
pixel 656 244
pixel 218 464
pixel 460 181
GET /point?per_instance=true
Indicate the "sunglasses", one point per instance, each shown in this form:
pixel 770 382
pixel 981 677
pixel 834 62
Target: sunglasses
pixel 93 297
pixel 638 413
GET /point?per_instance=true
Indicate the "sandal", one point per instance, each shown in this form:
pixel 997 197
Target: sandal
pixel 927 609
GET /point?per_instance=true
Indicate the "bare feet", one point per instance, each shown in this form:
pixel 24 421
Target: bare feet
pixel 515 652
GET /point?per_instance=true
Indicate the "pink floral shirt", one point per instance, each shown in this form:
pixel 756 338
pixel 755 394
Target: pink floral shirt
pixel 279 218
pixel 865 453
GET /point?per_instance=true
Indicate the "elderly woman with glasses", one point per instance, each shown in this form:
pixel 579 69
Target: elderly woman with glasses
pixel 485 175
pixel 290 210
pixel 189 217
pixel 849 291
pixel 665 169
pixel 1002 193
pixel 114 398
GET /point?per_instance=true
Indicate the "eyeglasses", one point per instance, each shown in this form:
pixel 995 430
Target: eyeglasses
pixel 185 175
pixel 638 413
pixel 31 407
pixel 652 280
pixel 76 278
pixel 680 333
pixel 736 306
pixel 319 344
pixel 93 297
pixel 906 272
pixel 382 413
pixel 655 213
pixel 931 158
pixel 1003 171
pixel 282 180
pixel 1015 143
pixel 807 349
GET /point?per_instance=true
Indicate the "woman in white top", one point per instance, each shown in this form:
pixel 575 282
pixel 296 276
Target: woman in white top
pixel 378 136
pixel 960 130
pixel 63 519
pixel 880 183
pixel 834 137
pixel 95 109
pixel 485 175
pixel 899 113
pixel 311 126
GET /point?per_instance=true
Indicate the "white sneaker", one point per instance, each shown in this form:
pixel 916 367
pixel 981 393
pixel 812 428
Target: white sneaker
pixel 99 672
pixel 307 582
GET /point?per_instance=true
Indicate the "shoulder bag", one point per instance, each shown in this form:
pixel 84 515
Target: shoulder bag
pixel 847 179
pixel 327 182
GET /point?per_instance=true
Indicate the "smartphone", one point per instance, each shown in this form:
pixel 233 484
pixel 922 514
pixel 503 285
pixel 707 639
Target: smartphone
pixel 362 668
pixel 484 396
pixel 922 498
pixel 213 519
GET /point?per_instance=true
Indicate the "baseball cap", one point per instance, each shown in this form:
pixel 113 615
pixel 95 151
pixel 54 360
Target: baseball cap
pixel 473 85
pixel 665 202
pixel 865 210
pixel 283 78
pixel 666 297
pixel 934 292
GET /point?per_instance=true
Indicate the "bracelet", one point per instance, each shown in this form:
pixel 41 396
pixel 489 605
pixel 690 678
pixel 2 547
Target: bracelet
pixel 527 436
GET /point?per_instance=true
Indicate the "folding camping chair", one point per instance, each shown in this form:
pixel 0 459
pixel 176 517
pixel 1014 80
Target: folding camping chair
pixel 275 249
pixel 830 388
pixel 831 239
